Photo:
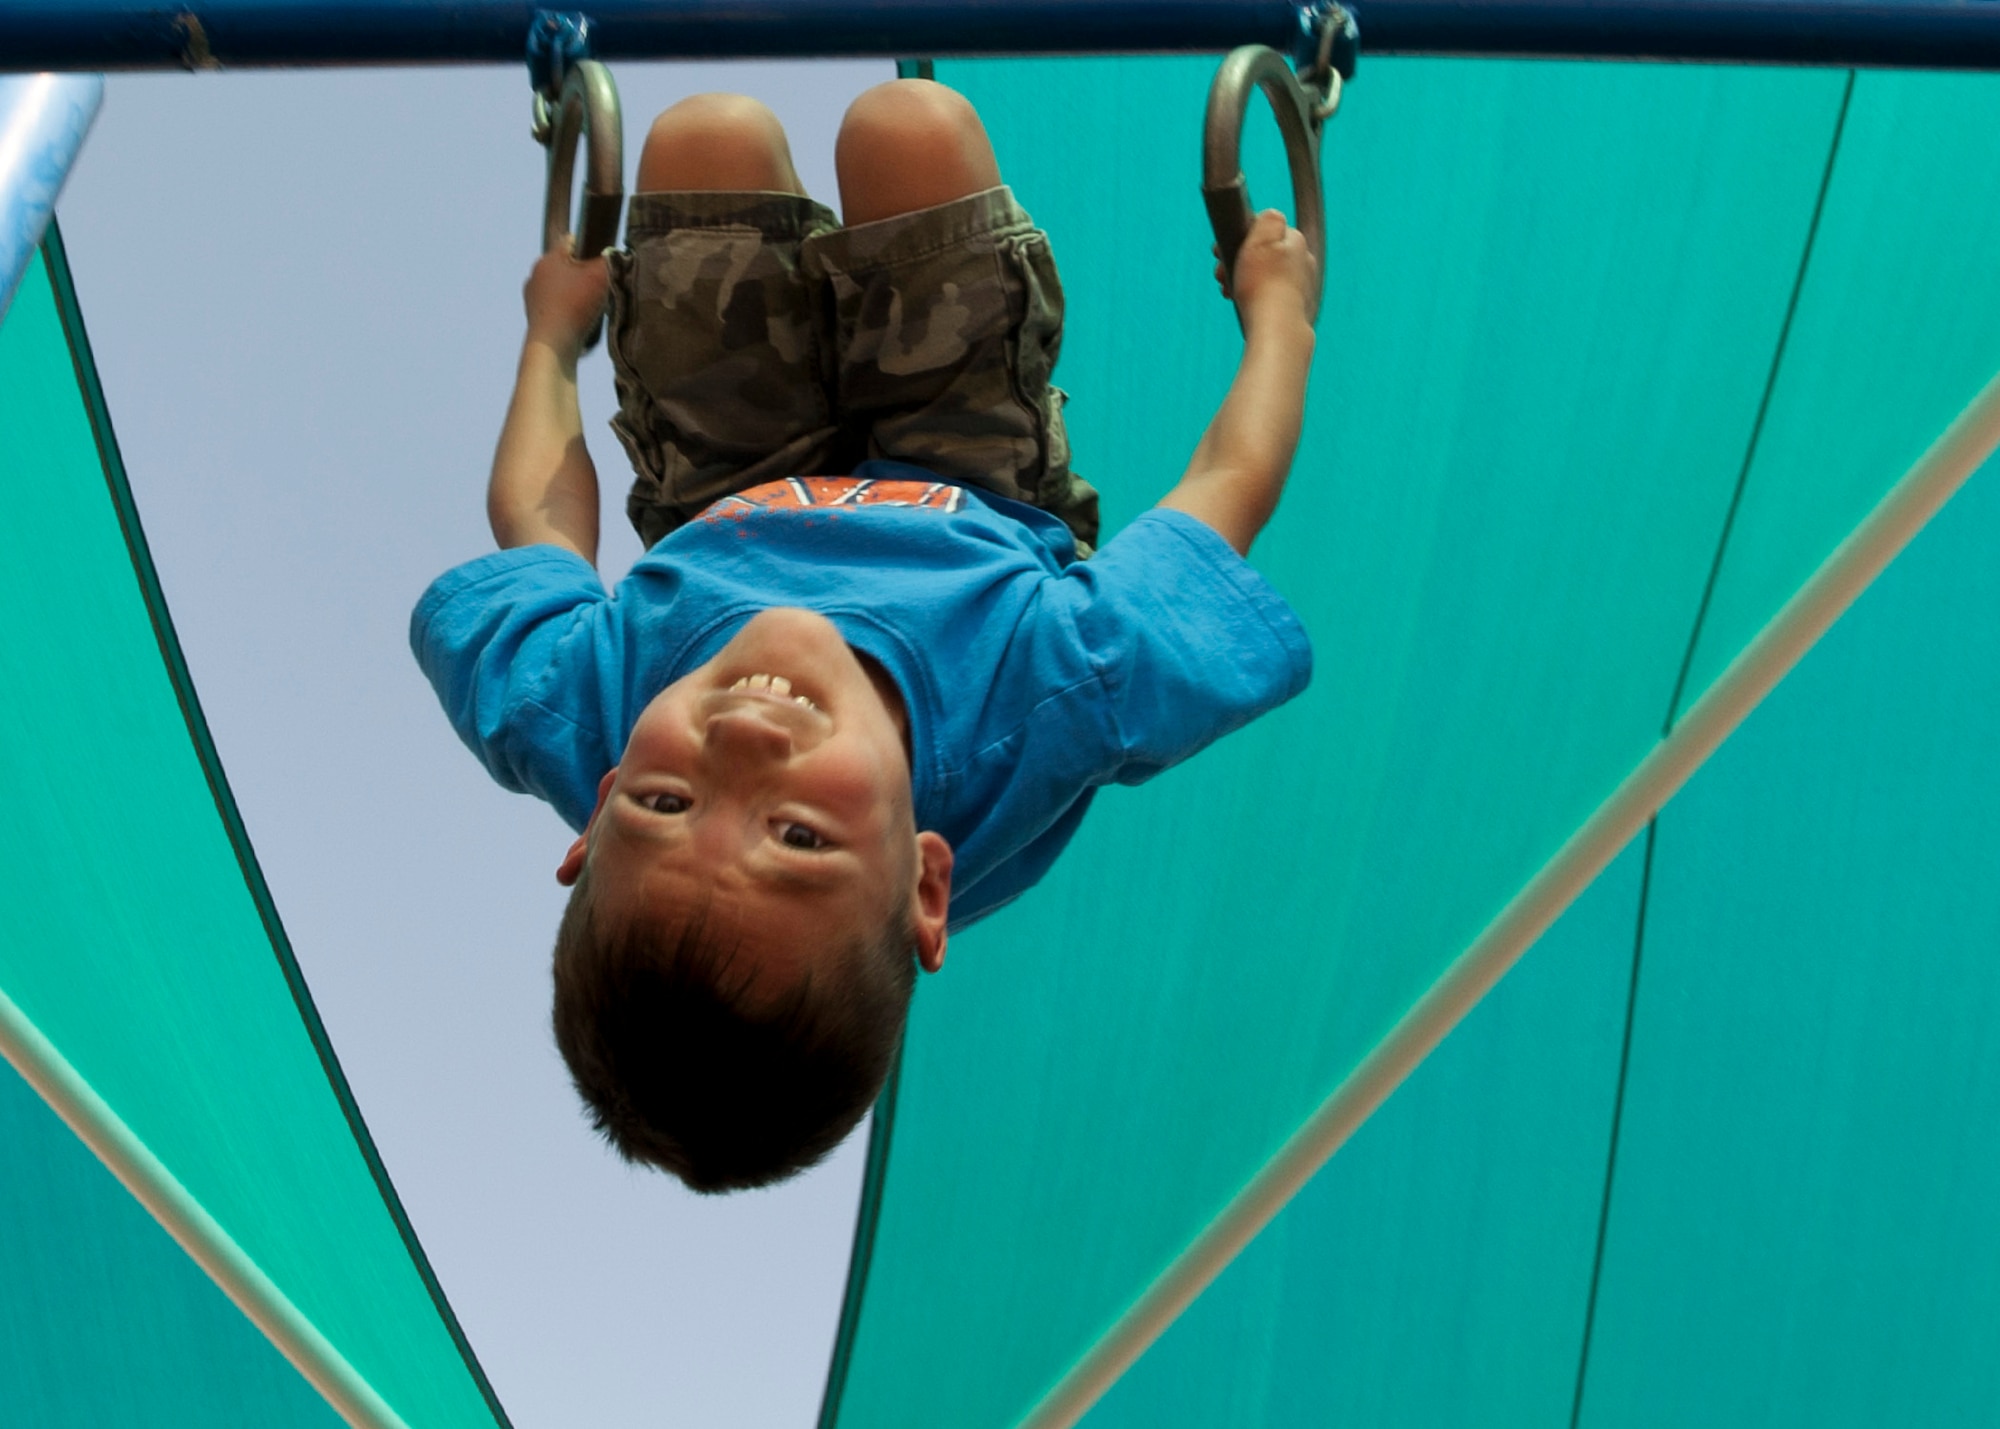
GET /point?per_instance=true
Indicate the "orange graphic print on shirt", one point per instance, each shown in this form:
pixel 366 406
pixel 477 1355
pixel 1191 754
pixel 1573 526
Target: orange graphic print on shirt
pixel 840 492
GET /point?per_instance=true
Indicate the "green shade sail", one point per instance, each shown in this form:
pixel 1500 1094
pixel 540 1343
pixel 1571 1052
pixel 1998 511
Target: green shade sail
pixel 1571 311
pixel 1437 1271
pixel 140 944
pixel 1898 325
pixel 104 1320
pixel 1801 1229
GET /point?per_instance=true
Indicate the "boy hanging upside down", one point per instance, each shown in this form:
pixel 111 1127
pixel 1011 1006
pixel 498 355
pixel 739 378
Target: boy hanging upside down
pixel 860 689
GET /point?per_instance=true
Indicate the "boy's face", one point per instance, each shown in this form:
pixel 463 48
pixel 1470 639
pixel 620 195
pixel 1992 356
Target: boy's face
pixel 770 788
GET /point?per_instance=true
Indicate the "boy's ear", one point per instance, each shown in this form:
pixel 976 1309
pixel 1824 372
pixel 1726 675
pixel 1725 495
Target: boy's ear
pixel 571 868
pixel 932 906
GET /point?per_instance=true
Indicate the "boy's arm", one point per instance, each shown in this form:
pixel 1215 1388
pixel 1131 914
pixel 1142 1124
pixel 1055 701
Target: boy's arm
pixel 543 489
pixel 1232 482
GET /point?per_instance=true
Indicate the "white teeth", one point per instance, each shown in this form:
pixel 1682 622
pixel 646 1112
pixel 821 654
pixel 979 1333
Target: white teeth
pixel 776 684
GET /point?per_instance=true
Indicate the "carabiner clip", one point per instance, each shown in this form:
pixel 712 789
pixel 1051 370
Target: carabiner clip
pixel 1300 111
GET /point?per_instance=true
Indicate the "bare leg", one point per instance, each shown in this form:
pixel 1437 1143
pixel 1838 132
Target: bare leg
pixel 717 142
pixel 910 144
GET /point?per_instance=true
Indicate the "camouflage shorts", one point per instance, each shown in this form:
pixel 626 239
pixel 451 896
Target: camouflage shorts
pixel 753 338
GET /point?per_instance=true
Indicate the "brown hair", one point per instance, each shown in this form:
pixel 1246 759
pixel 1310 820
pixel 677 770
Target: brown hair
pixel 682 1069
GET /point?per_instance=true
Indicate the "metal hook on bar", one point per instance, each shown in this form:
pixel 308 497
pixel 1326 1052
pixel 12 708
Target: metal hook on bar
pixel 586 110
pixel 1329 40
pixel 576 101
pixel 1302 103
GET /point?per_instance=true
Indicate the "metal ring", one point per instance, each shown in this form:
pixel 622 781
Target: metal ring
pixel 587 110
pixel 1224 189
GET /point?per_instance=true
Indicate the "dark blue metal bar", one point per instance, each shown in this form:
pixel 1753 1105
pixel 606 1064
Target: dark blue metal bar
pixel 1845 33
pixel 133 34
pixel 136 34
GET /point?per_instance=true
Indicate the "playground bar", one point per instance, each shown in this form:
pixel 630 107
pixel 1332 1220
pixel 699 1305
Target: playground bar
pixel 207 34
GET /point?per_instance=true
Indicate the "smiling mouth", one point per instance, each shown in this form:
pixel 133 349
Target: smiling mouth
pixel 775 686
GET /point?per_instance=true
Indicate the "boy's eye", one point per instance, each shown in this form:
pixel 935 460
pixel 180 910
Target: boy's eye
pixel 800 836
pixel 666 803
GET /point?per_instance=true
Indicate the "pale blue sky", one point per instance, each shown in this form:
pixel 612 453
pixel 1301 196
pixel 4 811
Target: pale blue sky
pixel 303 293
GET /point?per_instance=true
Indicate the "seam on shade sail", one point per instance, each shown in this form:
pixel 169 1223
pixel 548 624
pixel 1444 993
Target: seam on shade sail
pixel 1617 1123
pixel 56 260
pixel 1763 411
pixel 1755 671
pixel 199 1234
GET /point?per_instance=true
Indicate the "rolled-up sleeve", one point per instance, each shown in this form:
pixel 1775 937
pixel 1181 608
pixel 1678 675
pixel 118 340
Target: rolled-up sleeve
pixel 1188 641
pixel 507 641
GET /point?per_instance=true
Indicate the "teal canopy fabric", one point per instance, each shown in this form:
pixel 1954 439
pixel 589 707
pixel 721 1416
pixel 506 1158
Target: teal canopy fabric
pixel 104 1320
pixel 1798 1231
pixel 1611 358
pixel 140 943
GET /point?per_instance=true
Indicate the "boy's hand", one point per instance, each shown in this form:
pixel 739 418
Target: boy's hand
pixel 1275 272
pixel 565 298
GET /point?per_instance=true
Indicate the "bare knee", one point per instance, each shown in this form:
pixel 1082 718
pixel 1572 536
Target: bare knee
pixel 910 144
pixel 717 141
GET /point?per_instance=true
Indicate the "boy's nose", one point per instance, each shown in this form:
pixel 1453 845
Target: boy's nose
pixel 747 732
